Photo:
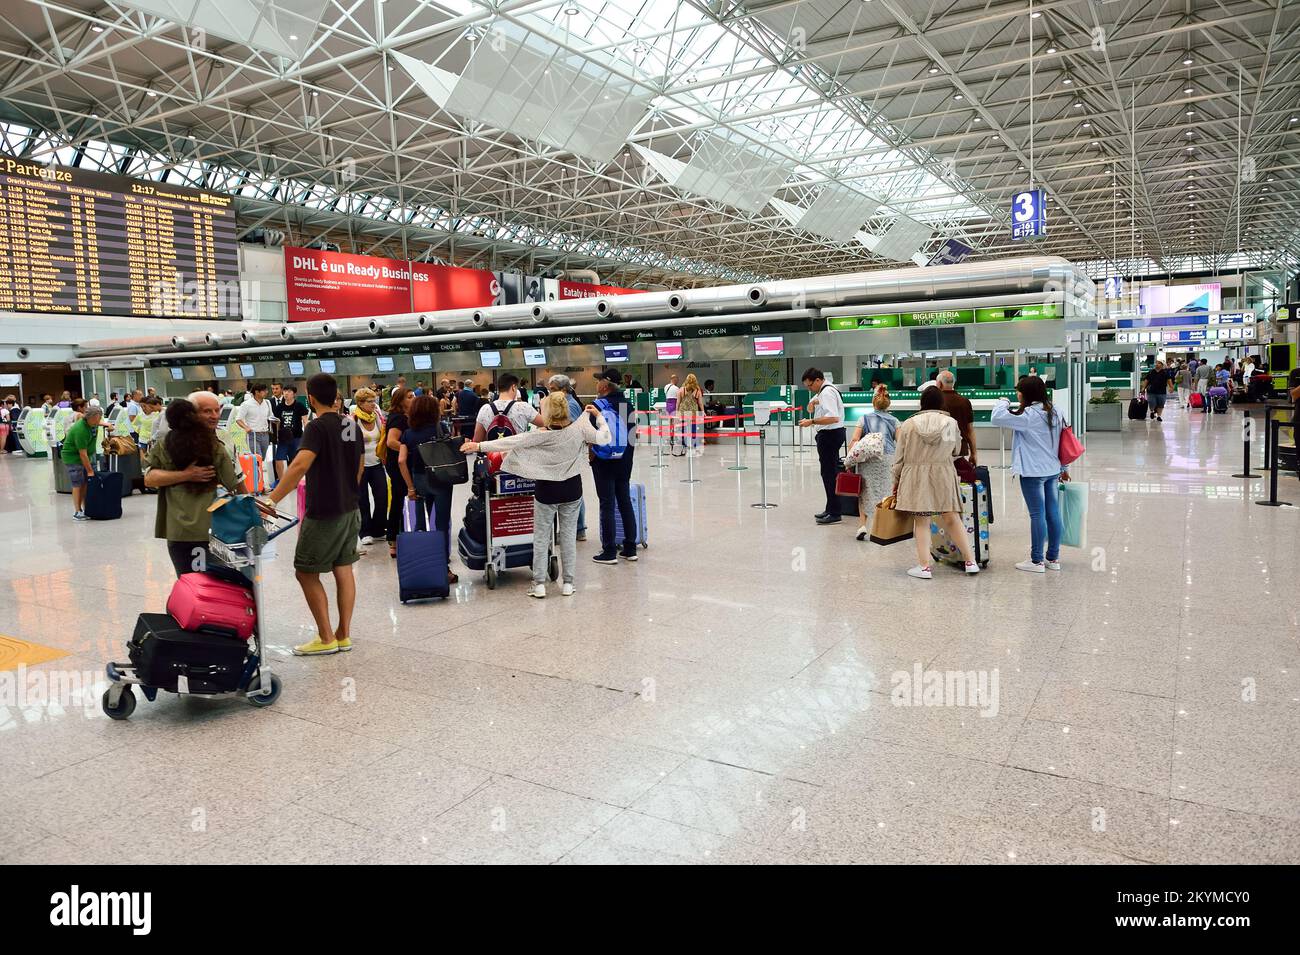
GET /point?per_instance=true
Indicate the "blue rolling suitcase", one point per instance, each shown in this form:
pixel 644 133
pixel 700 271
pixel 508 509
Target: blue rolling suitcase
pixel 638 509
pixel 104 495
pixel 421 559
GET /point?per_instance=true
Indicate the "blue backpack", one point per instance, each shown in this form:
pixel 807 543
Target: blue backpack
pixel 617 425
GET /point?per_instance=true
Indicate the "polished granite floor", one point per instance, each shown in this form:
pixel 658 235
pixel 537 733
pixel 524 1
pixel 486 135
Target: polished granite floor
pixel 729 698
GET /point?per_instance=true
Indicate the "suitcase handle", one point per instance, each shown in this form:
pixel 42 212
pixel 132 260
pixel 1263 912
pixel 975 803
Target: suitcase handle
pixel 408 516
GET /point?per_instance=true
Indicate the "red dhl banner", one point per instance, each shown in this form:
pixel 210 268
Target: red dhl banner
pixel 333 285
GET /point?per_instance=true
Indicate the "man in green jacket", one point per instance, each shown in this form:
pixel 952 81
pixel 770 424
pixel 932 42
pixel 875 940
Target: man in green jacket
pixel 77 454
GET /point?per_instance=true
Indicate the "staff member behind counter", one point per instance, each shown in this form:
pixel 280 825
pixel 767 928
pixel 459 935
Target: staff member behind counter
pixel 828 423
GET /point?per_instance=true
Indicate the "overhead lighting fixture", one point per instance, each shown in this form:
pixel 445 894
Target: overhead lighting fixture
pixel 1191 149
pixel 1187 61
pixel 934 69
pixel 1035 15
pixel 1188 89
pixel 978 120
pixel 958 96
pixel 97 29
pixel 1067 81
pixel 1086 125
pixel 293 36
pixel 1051 49
pixel 570 11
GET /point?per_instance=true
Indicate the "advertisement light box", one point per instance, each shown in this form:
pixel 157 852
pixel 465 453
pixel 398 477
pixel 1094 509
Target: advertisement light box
pixel 771 347
pixel 668 351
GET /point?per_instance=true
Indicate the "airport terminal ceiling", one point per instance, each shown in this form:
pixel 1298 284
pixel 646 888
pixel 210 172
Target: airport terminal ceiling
pixel 674 144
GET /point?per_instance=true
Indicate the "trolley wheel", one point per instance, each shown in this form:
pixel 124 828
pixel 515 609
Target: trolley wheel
pixel 490 572
pixel 256 684
pixel 125 704
pixel 553 567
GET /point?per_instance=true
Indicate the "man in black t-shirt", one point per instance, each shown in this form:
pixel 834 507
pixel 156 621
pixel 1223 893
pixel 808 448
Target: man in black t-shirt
pixel 1157 389
pixel 290 417
pixel 330 457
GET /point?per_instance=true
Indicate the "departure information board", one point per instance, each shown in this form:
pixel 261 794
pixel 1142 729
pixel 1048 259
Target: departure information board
pixel 73 240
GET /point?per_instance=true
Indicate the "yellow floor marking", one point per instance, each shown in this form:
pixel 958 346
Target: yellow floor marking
pixel 15 652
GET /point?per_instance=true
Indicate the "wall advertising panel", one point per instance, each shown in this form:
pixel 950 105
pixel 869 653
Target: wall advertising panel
pixel 333 285
pixel 444 287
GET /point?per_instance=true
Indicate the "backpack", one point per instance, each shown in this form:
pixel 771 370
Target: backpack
pixel 500 426
pixel 617 446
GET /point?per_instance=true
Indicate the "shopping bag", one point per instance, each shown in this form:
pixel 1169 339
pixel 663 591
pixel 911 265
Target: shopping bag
pixel 848 483
pixel 233 517
pixel 890 526
pixel 1073 500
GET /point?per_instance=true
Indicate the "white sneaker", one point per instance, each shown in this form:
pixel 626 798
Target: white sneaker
pixel 538 591
pixel 920 572
pixel 1031 567
pixel 367 540
pixel 972 567
pixel 567 590
pixel 1053 565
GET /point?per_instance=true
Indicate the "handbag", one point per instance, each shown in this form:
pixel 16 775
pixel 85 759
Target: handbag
pixel 444 462
pixel 848 483
pixel 1068 449
pixel 965 471
pixel 890 526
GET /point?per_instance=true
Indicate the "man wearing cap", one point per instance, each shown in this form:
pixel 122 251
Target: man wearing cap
pixel 613 477
pixel 78 446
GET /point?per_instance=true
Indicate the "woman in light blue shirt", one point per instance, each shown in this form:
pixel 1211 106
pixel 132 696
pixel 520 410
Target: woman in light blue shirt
pixel 1035 457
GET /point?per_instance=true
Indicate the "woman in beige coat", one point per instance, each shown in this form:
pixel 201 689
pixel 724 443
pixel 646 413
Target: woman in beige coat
pixel 925 480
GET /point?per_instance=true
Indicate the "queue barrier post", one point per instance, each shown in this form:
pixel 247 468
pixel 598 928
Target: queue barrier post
pixel 762 470
pixel 690 467
pixel 737 432
pixel 779 432
pixel 798 431
pixel 659 449
pixel 1247 432
pixel 1276 426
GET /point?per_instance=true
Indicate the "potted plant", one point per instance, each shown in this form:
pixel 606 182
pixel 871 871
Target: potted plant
pixel 1104 411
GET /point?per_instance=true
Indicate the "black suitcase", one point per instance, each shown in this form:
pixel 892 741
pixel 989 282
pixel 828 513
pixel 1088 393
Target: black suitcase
pixel 104 496
pixel 1137 409
pixel 163 654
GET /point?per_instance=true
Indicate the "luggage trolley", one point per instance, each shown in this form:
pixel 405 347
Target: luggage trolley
pixel 257 684
pixel 510 511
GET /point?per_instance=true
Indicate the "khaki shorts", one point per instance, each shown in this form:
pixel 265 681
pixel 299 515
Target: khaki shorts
pixel 326 544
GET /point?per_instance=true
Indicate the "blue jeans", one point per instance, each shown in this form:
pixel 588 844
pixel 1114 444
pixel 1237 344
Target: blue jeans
pixel 1044 516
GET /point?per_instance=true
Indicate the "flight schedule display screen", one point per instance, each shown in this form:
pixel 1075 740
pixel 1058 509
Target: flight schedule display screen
pixel 73 240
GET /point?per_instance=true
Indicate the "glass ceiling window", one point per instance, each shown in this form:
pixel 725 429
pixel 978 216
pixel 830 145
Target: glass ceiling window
pixel 663 40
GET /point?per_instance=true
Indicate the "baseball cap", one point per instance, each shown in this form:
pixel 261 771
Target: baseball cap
pixel 611 376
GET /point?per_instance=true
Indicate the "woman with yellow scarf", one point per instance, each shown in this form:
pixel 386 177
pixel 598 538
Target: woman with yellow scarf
pixel 374 482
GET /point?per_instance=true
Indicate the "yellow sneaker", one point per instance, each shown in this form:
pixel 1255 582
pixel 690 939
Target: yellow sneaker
pixel 345 645
pixel 315 648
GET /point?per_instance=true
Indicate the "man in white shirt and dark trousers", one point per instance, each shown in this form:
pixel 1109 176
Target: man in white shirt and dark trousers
pixel 827 422
pixel 671 391
pixel 254 416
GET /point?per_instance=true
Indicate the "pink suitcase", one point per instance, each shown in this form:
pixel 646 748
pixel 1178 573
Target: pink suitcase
pixel 203 602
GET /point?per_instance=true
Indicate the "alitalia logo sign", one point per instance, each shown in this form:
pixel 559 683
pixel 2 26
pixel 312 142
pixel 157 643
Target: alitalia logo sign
pixel 953 316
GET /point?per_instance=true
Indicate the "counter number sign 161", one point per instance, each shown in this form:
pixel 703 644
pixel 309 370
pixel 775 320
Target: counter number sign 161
pixel 1028 214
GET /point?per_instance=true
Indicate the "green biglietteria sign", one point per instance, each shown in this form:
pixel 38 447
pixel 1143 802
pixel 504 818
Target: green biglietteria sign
pixel 950 316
